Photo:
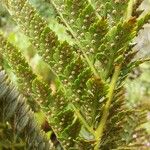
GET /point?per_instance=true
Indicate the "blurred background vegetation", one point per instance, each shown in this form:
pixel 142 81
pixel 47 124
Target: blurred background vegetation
pixel 138 83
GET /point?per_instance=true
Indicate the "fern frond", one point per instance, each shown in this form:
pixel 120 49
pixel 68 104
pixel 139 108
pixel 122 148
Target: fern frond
pixel 125 127
pixel 45 36
pixel 88 106
pixel 14 107
pixel 59 114
pixel 82 21
pixel 40 91
pixel 19 66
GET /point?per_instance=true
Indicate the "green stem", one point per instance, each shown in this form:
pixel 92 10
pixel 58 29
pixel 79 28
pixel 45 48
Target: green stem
pixel 101 127
pixel 102 124
pixel 83 120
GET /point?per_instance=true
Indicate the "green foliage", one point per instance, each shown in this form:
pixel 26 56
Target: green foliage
pixel 17 120
pixel 85 104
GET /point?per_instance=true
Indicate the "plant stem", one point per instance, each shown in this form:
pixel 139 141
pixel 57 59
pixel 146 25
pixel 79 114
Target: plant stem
pixel 83 120
pixel 101 127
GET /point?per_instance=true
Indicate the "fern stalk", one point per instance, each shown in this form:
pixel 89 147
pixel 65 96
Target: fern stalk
pixel 90 129
pixel 101 127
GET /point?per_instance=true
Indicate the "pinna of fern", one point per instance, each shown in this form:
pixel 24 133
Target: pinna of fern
pixel 88 109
